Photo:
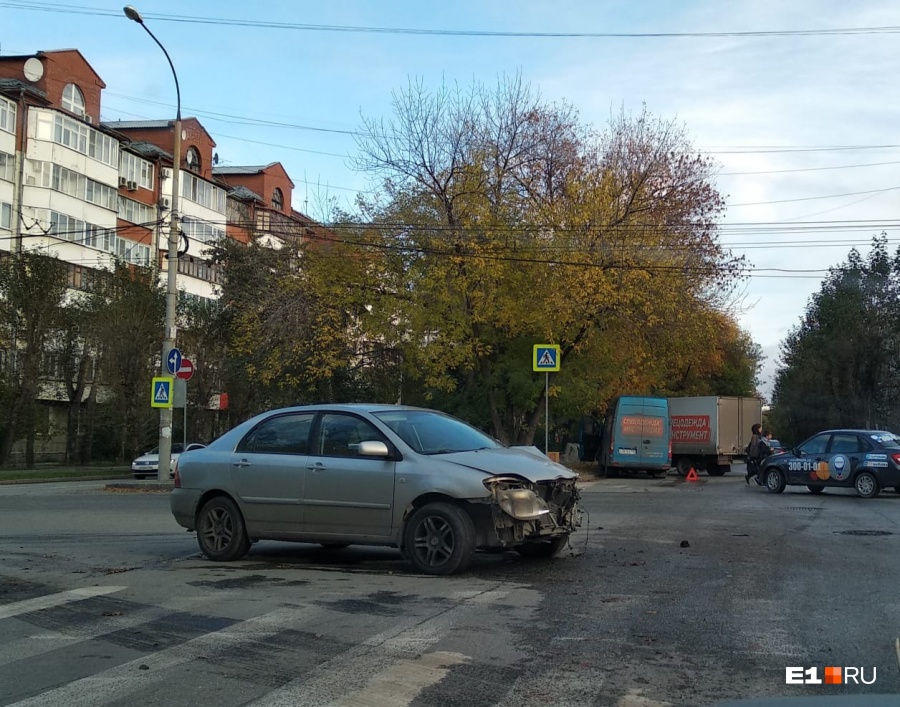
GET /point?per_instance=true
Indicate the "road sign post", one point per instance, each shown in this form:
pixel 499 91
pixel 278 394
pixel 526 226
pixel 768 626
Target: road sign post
pixel 545 358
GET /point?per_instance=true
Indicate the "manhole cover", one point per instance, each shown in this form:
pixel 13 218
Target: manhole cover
pixel 863 532
pixel 804 508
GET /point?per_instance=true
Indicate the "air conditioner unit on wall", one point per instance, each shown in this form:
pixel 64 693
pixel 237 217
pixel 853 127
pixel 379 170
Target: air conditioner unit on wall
pixel 131 186
pixel 88 119
pixel 122 181
pixel 164 202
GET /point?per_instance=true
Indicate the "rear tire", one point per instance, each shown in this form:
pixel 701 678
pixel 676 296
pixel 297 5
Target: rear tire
pixel 683 466
pixel 774 480
pixel 439 538
pixel 866 484
pixel 220 530
pixel 717 469
pixel 544 548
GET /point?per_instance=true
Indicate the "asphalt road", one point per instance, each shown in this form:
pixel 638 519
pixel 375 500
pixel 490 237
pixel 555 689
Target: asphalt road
pixel 674 593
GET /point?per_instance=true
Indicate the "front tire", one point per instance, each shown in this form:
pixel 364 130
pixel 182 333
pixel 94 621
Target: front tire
pixel 220 530
pixel 439 539
pixel 543 548
pixel 866 485
pixel 816 490
pixel 774 480
pixel 683 466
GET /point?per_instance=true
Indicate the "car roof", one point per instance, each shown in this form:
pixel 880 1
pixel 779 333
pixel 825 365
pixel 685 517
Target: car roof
pixel 352 407
pixel 856 431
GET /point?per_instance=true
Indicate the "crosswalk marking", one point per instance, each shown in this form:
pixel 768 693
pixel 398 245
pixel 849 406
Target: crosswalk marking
pixel 353 669
pixel 400 684
pixel 119 682
pixel 46 602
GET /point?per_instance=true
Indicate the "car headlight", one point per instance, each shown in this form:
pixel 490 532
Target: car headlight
pixel 521 504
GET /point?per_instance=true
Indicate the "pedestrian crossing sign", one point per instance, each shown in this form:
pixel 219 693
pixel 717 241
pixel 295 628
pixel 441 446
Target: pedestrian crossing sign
pixel 546 357
pixel 161 392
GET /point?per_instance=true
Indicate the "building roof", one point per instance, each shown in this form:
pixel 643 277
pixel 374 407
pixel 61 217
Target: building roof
pixel 148 149
pixel 137 124
pixel 244 194
pixel 237 169
pixel 18 85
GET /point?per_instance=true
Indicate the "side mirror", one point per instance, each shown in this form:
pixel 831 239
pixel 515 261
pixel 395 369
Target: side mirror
pixel 373 448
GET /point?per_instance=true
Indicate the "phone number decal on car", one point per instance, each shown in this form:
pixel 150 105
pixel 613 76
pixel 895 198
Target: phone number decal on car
pixel 802 466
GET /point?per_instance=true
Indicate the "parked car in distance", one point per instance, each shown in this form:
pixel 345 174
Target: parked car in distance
pixel 148 464
pixel 399 476
pixel 865 460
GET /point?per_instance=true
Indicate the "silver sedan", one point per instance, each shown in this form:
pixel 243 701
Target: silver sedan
pixel 399 476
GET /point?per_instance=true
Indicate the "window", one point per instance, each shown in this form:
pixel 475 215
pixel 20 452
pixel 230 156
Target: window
pixel 136 212
pixel 71 229
pixel 817 445
pixel 75 184
pixel 201 231
pixel 340 435
pixel 277 199
pixel 73 99
pixel 7 167
pixel 202 192
pixel 845 444
pixel 192 159
pixel 5 216
pixel 7 115
pixel 285 434
pixel 134 169
pixel 77 136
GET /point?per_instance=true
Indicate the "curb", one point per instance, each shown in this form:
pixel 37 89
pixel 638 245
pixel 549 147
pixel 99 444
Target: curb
pixel 141 486
pixel 57 480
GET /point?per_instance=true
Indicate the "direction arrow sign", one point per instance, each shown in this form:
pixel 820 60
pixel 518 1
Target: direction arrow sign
pixel 173 361
pixel 546 357
pixel 186 371
pixel 161 392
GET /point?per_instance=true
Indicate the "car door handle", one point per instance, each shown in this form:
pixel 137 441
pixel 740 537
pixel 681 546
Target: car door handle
pixel 318 466
pixel 241 463
pixel 646 441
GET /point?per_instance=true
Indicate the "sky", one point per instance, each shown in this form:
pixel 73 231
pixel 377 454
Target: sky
pixel 805 128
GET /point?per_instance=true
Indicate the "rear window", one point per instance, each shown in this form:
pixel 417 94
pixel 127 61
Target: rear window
pixel 888 440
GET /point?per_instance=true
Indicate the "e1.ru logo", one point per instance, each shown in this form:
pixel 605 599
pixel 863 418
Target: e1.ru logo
pixel 833 676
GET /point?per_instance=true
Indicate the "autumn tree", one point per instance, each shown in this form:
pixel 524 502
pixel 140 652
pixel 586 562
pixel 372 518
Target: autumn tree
pixel 503 222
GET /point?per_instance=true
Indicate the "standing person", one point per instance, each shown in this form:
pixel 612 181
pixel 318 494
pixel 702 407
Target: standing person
pixel 752 453
pixel 763 450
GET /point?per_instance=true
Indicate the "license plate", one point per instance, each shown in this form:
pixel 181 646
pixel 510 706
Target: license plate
pixel 627 451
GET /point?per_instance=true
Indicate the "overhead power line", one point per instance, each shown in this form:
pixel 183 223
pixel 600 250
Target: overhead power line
pixel 491 34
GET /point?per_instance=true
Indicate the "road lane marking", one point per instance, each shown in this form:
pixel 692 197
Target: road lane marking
pixel 118 683
pixel 401 683
pixel 26 606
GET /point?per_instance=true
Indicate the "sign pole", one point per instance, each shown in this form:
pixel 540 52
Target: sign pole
pixel 184 448
pixel 547 413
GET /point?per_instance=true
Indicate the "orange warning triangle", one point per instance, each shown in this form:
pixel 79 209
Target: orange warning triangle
pixel 692 475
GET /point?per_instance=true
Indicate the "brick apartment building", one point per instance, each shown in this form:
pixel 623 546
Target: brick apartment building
pixel 91 192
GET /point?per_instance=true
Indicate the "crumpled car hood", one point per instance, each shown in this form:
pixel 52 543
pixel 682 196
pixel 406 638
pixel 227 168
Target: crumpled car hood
pixel 527 462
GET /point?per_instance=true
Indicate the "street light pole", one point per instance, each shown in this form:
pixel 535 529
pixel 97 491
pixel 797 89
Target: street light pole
pixel 169 332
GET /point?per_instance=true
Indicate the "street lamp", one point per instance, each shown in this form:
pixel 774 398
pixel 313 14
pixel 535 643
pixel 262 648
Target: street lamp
pixel 165 414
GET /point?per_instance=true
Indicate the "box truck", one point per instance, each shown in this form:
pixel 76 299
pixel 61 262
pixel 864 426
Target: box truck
pixel 709 433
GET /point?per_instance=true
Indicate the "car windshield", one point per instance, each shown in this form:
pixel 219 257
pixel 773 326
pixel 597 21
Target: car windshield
pixel 434 433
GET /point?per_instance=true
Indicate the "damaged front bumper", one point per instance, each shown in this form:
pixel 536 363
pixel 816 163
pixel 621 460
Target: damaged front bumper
pixel 525 511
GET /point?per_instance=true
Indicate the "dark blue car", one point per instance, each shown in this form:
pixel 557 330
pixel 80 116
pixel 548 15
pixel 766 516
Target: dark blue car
pixel 865 460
